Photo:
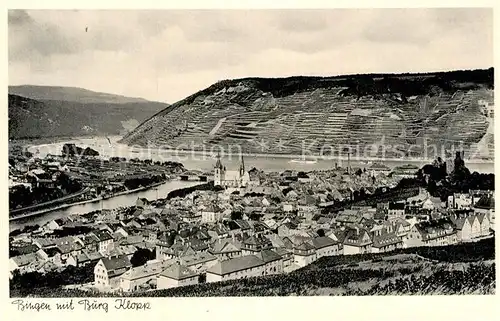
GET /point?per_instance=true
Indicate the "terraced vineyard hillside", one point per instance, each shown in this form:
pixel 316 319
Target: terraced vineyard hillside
pixel 326 115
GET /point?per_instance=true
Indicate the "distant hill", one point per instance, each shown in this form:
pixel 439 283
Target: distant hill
pixel 284 115
pixel 70 94
pixel 33 118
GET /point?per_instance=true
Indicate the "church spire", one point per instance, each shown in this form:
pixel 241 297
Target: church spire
pixel 218 164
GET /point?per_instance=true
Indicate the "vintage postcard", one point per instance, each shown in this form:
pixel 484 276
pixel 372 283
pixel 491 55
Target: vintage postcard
pixel 157 154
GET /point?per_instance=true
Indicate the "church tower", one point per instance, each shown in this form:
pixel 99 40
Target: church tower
pixel 219 172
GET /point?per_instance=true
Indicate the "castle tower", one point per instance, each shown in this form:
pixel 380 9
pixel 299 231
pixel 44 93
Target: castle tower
pixel 219 172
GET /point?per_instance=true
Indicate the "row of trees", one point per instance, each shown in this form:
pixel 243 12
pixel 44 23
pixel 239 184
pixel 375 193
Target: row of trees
pixel 23 196
pixel 33 283
pixel 136 182
pixel 72 150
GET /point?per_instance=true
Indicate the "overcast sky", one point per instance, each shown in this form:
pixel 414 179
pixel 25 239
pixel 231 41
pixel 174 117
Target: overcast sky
pixel 167 55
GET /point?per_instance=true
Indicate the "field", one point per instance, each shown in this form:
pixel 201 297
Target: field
pixel 458 269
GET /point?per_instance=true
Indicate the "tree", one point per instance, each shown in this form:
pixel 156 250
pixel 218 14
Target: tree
pixel 320 232
pixel 141 256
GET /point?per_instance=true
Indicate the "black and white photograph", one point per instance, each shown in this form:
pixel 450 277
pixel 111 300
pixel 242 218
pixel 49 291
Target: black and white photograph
pixel 250 153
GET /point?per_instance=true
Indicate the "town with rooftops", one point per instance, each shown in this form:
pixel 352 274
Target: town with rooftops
pixel 249 223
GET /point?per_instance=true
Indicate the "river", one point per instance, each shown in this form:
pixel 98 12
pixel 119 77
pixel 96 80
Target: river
pixel 206 161
pixel 160 191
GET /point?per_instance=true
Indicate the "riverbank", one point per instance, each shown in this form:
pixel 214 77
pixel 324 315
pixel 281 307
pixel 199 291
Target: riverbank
pixel 94 200
pixel 56 201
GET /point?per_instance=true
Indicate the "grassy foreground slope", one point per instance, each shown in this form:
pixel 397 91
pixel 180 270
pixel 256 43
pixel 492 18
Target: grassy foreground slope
pixel 458 269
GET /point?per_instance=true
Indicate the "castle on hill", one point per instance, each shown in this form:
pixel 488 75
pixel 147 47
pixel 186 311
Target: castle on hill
pixel 230 178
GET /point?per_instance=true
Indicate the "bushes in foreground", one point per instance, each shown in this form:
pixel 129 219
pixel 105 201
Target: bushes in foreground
pixel 464 252
pixel 477 279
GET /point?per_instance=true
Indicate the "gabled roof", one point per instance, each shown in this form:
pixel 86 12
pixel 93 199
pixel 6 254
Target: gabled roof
pixel 150 269
pixel 45 242
pixel 323 241
pixel 459 222
pixel 486 202
pixel 282 251
pixel 276 241
pixel 252 240
pixel 116 263
pixel 305 246
pixel 69 247
pixel 89 239
pixel 355 237
pixel 268 256
pixel 197 258
pixel 385 239
pixel 481 217
pixel 102 235
pixel 197 245
pixel 236 264
pixel 435 228
pixel 178 272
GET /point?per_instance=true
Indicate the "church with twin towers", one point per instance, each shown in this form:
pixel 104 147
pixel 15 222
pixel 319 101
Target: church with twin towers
pixel 230 178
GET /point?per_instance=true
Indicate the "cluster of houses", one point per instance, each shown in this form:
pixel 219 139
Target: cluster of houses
pixel 243 231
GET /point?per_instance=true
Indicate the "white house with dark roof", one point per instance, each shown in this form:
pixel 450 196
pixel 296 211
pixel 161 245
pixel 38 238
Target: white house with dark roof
pixel 273 262
pixel 357 241
pixel 286 255
pixel 144 276
pixel 304 254
pixel 176 275
pixel 431 233
pixel 211 214
pixel 236 268
pixel 108 270
pixel 226 249
pixel 106 241
pixel 326 246
pixel 252 245
pixel 486 205
pixel 385 239
pixel 396 210
pixel 485 224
